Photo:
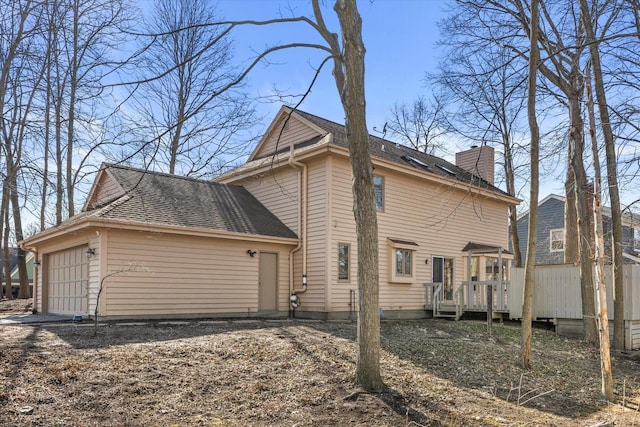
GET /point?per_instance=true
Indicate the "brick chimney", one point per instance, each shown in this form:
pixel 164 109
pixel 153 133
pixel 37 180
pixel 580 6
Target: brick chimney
pixel 480 161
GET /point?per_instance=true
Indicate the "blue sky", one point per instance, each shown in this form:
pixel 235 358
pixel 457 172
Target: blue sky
pixel 399 35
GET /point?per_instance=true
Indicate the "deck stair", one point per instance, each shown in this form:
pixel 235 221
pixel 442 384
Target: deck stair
pixel 446 308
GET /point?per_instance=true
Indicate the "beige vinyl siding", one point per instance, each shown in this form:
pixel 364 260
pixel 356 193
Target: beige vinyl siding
pixel 278 192
pixel 106 190
pixel 439 219
pixel 183 275
pixel 341 230
pixel 296 131
pixel 314 298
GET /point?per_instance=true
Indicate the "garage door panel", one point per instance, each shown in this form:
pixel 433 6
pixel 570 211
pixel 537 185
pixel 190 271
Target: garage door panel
pixel 68 278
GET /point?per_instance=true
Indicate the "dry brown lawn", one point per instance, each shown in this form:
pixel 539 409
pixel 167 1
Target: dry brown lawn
pixel 300 373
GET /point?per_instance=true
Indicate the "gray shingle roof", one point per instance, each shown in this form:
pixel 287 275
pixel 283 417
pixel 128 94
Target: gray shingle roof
pixel 401 154
pixel 158 198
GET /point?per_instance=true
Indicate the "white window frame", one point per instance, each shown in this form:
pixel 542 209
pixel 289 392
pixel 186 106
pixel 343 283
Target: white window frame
pixel 348 254
pixel 551 239
pixel 380 206
pixel 636 238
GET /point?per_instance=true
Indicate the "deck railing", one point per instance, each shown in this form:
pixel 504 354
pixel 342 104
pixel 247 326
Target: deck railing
pixel 470 296
pixel 475 295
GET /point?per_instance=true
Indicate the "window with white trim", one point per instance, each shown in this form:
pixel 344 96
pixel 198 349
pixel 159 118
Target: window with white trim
pixel 556 240
pixel 636 239
pixel 378 190
pixel 402 260
pixel 343 262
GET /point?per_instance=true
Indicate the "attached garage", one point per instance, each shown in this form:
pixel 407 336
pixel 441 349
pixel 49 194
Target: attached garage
pixel 66 281
pixel 149 245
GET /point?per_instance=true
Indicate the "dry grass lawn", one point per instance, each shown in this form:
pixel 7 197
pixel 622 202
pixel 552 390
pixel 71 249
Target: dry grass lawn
pixel 300 373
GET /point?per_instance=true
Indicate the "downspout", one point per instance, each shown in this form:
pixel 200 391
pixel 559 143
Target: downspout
pixel 36 277
pixel 294 301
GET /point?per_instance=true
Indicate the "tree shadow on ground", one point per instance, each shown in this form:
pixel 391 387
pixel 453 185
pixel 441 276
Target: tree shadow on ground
pixel 504 381
pixel 411 345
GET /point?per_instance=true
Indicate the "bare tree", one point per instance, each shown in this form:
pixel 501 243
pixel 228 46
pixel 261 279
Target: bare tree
pixel 561 39
pixel 197 133
pixel 486 88
pixel 81 38
pixel 22 72
pixel 599 255
pixel 529 273
pixel 420 125
pixel 612 174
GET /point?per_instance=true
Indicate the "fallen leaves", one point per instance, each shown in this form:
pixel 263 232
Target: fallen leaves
pixel 299 373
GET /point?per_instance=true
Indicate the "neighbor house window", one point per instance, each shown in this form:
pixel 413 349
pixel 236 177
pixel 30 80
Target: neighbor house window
pixel 378 189
pixel 636 238
pixel 556 239
pixel 403 260
pixel 343 261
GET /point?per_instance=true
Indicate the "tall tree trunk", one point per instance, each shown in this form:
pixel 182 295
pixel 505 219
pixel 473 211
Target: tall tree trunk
pixel 71 119
pixel 23 291
pixel 513 212
pixel 6 230
pixel 59 163
pixel 529 272
pixel 571 234
pixel 612 178
pixel 351 89
pixel 177 133
pixel 583 198
pixel 601 295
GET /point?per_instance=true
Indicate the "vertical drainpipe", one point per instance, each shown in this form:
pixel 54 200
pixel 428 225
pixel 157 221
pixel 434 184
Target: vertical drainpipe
pixel 302 230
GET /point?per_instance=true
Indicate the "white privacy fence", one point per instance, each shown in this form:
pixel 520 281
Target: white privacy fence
pixel 557 292
pixel 557 295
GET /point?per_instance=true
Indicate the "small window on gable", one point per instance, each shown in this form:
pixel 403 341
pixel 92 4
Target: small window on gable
pixel 343 262
pixel 378 189
pixel 556 240
pixel 403 261
pixel 636 239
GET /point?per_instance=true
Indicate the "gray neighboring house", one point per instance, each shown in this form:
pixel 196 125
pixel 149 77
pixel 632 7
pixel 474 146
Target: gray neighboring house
pixel 551 232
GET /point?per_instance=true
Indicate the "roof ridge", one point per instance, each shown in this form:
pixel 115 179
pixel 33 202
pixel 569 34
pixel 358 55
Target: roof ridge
pixel 388 141
pixel 157 173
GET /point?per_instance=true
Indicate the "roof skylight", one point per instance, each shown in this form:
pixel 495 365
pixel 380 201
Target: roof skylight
pixel 416 161
pixel 446 169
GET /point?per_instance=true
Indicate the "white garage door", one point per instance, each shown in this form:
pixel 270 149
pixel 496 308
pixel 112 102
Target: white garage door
pixel 68 275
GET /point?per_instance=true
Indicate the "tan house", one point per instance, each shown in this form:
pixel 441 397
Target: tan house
pixel 276 234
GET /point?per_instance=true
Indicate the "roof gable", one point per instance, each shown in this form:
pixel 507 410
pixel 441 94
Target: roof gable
pixel 105 189
pixel 296 129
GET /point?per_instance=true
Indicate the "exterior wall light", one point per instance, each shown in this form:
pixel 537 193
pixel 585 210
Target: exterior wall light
pixel 90 252
pixel 36 264
pixel 251 253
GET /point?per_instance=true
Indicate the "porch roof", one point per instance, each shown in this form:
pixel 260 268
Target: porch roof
pixel 481 248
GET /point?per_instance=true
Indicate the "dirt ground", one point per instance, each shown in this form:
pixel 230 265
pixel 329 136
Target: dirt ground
pixel 300 373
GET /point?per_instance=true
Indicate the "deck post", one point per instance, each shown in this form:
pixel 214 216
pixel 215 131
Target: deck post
pixel 500 275
pixel 489 308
